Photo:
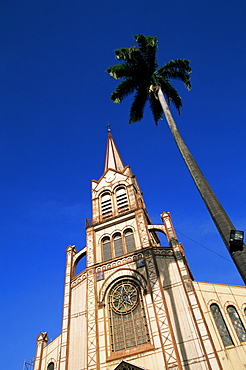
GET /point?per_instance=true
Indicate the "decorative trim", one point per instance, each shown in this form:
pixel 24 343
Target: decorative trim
pixel 78 280
pixel 90 248
pixel 123 272
pixel 142 230
pixel 119 262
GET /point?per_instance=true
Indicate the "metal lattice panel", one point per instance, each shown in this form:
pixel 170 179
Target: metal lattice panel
pixel 92 343
pixel 161 315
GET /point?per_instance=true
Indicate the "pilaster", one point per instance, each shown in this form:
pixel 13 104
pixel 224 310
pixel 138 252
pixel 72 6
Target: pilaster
pixel 42 339
pixel 71 251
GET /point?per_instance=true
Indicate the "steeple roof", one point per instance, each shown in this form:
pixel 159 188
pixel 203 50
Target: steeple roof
pixel 113 159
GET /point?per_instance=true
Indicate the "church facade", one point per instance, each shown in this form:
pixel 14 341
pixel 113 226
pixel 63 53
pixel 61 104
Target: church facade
pixel 136 304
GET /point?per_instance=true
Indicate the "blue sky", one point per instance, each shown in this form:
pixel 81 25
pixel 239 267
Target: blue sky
pixel 54 108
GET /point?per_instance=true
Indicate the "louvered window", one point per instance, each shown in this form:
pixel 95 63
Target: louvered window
pixel 129 240
pixel 237 323
pixel 118 248
pixel 220 323
pixel 106 247
pixel 106 205
pixel 121 199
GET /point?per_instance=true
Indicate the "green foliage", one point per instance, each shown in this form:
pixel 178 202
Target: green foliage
pixel 139 70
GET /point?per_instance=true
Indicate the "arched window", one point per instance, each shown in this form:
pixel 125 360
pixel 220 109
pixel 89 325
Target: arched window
pixel 220 323
pixel 106 247
pixel 237 323
pixel 128 324
pixel 129 240
pixel 121 200
pixel 106 205
pixel 51 366
pixel 118 248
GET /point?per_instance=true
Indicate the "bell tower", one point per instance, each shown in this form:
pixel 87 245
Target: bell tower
pixel 118 212
pixel 134 306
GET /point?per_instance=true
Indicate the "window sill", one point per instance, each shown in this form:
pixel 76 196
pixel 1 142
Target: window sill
pixel 130 351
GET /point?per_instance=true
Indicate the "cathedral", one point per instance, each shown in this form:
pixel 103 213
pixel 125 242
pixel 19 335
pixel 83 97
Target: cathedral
pixel 136 305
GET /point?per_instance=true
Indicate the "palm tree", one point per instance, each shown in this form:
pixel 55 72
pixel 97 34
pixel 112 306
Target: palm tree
pixel 140 74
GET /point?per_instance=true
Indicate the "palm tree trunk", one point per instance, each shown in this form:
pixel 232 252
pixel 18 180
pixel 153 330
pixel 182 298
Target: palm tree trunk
pixel 217 212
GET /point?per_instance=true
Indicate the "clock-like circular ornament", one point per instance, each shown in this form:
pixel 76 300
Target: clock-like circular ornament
pixel 125 297
pixel 110 177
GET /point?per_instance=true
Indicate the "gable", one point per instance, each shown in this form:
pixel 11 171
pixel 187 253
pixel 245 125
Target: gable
pixel 127 366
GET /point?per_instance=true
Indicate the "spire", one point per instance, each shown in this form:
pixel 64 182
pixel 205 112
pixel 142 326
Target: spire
pixel 113 159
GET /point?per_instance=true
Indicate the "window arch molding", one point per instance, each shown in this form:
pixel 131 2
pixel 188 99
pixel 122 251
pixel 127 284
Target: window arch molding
pixel 229 303
pixel 120 274
pixel 243 308
pixel 105 192
pixel 129 227
pixel 122 184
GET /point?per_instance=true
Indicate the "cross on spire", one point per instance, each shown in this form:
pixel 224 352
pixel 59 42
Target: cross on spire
pixel 108 126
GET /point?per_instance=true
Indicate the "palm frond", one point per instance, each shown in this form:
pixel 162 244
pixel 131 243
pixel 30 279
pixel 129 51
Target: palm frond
pixel 177 69
pixel 148 48
pixel 137 108
pixel 181 64
pixel 147 44
pixel 156 108
pixel 118 71
pixel 128 55
pixel 171 93
pixel 122 54
pixel 139 70
pixel 124 89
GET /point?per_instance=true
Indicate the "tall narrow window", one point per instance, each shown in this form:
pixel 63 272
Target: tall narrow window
pixel 51 366
pixel 106 205
pixel 128 324
pixel 106 247
pixel 129 240
pixel 220 323
pixel 121 199
pixel 237 323
pixel 118 249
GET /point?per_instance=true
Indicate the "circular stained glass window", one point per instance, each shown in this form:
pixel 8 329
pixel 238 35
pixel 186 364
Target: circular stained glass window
pixel 124 297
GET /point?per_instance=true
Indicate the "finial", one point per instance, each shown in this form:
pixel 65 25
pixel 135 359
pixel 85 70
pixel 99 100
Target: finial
pixel 108 126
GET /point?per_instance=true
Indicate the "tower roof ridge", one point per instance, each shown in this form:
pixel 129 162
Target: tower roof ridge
pixel 113 159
